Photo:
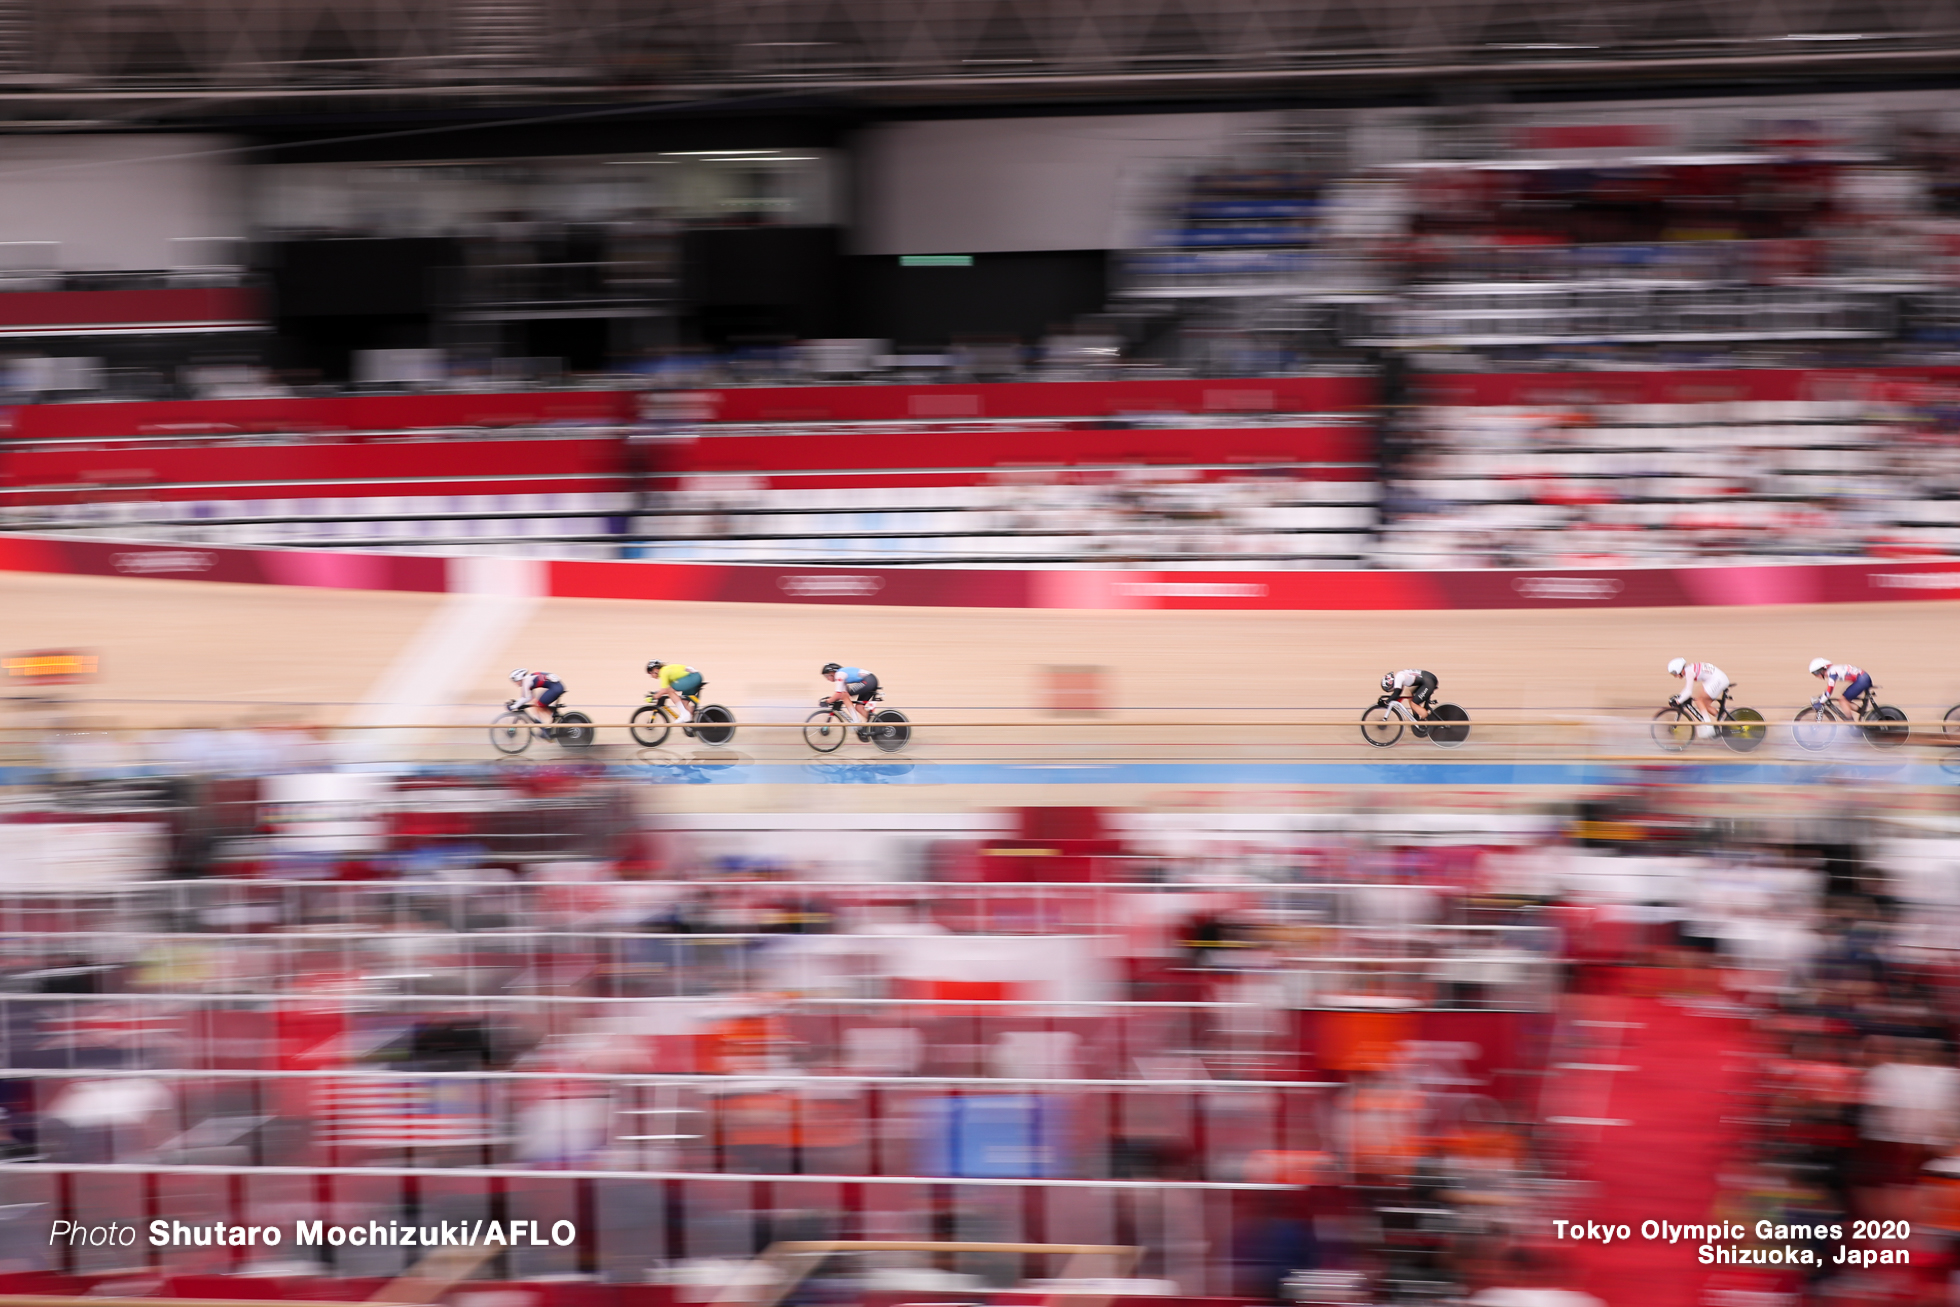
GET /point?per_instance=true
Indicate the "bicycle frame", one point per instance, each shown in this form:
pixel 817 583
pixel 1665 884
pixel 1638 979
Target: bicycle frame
pixel 1861 707
pixel 1401 708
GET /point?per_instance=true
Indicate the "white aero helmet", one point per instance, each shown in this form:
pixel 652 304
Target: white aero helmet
pixel 1388 680
pixel 1676 666
pixel 519 675
pixel 1817 665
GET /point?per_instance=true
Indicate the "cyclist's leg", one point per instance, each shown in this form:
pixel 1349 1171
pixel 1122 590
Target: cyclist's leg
pixel 548 701
pixel 1858 693
pixel 1425 689
pixel 687 692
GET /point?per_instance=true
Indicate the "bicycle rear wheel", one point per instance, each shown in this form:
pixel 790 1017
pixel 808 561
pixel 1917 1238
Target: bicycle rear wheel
pixel 714 724
pixel 649 726
pixel 1381 725
pixel 889 730
pixel 1449 725
pixel 1894 731
pixel 1673 729
pixel 574 731
pixel 511 732
pixel 824 731
pixel 1744 730
pixel 1813 729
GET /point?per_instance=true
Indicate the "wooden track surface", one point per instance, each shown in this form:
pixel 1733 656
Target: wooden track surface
pixel 274 651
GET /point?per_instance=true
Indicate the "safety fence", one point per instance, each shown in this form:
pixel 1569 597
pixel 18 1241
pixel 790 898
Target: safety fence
pixel 789 1124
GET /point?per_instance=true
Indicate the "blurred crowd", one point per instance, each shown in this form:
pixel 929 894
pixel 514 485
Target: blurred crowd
pixel 1384 1052
pixel 1876 476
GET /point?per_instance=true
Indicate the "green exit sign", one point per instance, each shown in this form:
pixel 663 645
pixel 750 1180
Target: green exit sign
pixel 935 260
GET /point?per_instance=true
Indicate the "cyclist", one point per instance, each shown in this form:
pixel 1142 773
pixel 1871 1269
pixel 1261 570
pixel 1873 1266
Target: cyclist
pixel 1705 684
pixel 676 681
pixel 1417 684
pixel 853 685
pixel 541 690
pixel 1857 681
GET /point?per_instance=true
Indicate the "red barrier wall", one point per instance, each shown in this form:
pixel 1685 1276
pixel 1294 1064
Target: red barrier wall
pixel 1040 399
pixel 1031 400
pixel 448 466
pixel 69 309
pixel 1712 386
pixel 1685 587
pixel 332 413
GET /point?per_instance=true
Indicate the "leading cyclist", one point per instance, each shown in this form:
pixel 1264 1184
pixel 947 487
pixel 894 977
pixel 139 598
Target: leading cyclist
pixel 676 681
pixel 1705 684
pixel 1414 683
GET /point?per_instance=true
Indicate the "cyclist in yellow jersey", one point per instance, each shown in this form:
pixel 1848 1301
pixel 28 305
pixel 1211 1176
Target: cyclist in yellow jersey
pixel 676 681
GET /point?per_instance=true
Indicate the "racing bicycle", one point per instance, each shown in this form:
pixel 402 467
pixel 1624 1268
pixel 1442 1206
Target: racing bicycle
pixel 1382 723
pixel 651 723
pixel 1883 726
pixel 1742 729
pixel 513 730
pixel 827 727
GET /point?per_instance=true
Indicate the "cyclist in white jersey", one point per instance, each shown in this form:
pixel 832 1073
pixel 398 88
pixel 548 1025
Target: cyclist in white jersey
pixel 1705 684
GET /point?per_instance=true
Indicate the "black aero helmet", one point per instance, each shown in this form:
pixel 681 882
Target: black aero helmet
pixel 654 665
pixel 828 668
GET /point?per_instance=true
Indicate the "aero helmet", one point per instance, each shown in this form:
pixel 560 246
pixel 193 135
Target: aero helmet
pixel 1388 680
pixel 828 668
pixel 519 675
pixel 654 665
pixel 1817 666
pixel 1676 666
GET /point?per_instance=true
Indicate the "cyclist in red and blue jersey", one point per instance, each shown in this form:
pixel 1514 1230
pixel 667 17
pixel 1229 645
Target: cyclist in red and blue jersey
pixel 1857 682
pixel 540 690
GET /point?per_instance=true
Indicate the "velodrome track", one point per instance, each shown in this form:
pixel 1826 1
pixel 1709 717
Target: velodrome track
pixel 182 653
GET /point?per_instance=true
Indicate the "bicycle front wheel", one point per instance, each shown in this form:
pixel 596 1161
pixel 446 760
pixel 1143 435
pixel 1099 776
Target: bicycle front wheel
pixel 1449 726
pixel 714 724
pixel 1673 729
pixel 824 731
pixel 889 730
pixel 1381 725
pixel 649 726
pixel 1813 729
pixel 574 731
pixel 1892 733
pixel 511 733
pixel 1744 730
pixel 1952 723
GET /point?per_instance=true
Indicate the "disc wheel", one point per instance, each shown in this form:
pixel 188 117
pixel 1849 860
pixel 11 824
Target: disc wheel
pixel 714 724
pixel 1813 730
pixel 824 731
pixel 1449 726
pixel 1673 730
pixel 574 730
pixel 1381 725
pixel 1894 730
pixel 649 727
pixel 511 733
pixel 889 730
pixel 1744 731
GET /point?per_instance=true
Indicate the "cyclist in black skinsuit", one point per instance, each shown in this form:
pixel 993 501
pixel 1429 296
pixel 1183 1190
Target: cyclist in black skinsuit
pixel 1414 684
